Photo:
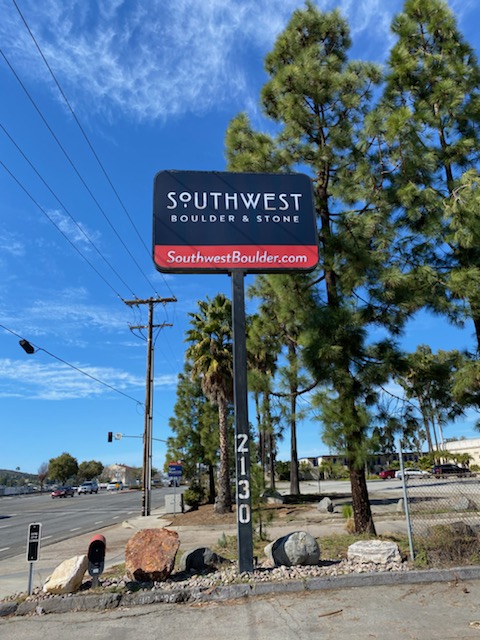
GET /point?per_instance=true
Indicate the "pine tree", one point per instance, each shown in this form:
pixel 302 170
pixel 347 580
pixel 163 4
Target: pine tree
pixel 284 303
pixel 195 425
pixel 319 101
pixel 432 126
pixel 263 347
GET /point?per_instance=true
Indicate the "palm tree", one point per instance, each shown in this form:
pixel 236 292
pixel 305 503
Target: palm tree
pixel 211 354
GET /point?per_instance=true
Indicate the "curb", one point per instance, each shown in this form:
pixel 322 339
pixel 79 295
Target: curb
pixel 95 602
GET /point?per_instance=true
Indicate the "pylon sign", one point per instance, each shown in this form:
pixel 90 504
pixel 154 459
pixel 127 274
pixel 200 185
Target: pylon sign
pixel 219 221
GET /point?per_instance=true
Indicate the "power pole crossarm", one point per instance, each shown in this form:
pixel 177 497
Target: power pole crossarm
pixel 154 326
pixel 137 302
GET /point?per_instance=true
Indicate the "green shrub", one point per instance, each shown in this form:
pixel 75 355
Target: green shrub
pixel 194 496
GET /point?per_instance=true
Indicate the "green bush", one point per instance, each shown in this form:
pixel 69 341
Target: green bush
pixel 194 496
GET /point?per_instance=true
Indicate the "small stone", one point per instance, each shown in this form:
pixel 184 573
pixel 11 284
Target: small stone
pixel 325 505
pixel 374 551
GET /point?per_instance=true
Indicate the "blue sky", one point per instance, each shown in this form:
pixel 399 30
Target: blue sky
pixel 154 85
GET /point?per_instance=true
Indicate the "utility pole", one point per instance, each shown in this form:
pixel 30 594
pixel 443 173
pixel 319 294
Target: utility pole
pixel 147 432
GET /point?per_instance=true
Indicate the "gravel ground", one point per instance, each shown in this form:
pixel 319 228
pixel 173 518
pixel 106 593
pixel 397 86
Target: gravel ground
pixel 225 576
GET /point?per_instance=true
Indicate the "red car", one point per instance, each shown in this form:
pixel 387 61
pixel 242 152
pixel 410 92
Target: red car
pixel 63 492
pixel 387 473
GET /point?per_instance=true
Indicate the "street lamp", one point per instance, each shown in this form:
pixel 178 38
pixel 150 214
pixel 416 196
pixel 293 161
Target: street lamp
pixel 26 346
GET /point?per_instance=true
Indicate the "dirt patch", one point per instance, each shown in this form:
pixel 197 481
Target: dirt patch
pixel 205 515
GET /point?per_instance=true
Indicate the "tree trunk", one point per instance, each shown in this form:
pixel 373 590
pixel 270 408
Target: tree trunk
pixel 271 459
pixel 476 324
pixel 211 484
pixel 223 503
pixel 294 475
pixel 362 513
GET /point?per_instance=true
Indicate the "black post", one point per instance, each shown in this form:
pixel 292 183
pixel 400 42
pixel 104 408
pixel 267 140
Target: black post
pixel 242 433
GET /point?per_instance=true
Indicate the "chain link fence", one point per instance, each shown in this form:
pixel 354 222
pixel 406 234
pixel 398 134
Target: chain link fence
pixel 444 518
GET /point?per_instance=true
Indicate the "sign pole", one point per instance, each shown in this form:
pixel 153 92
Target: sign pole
pixel 242 433
pixel 33 550
pixel 30 578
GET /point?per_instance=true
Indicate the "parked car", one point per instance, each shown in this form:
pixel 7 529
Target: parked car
pixel 414 472
pixel 63 492
pixel 115 485
pixel 387 473
pixel 88 487
pixel 448 469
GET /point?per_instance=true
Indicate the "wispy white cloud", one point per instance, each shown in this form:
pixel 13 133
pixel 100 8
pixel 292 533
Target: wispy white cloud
pixel 76 232
pixel 164 58
pixel 57 381
pixel 11 244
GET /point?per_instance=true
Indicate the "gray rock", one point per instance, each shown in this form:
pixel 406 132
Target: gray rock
pixel 273 497
pixel 375 551
pixel 67 577
pixel 325 505
pixel 462 503
pixel 297 548
pixel 201 559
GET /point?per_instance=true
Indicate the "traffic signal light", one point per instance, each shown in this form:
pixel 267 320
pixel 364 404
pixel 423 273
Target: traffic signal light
pixel 110 436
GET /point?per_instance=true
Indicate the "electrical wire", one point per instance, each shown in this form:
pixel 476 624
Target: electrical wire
pixel 72 244
pixel 87 139
pixel 72 366
pixel 72 164
pixel 64 207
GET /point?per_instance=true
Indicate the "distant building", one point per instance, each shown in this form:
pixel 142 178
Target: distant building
pixel 376 462
pixel 468 445
pixel 121 473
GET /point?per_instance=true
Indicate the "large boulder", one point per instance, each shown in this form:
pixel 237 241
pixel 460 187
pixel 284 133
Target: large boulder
pixel 297 548
pixel 201 559
pixel 150 554
pixel 375 551
pixel 67 577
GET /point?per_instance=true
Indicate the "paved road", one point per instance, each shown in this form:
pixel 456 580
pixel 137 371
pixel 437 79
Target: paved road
pixel 64 518
pixel 439 611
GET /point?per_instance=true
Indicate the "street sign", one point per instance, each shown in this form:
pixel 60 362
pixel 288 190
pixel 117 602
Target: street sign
pixel 33 541
pixel 212 221
pixel 175 470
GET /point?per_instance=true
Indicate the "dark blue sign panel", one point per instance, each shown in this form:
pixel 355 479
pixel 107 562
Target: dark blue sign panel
pixel 218 221
pixel 175 470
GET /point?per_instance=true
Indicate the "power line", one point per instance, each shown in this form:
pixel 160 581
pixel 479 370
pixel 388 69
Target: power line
pixel 72 164
pixel 72 366
pixel 79 227
pixel 87 139
pixel 25 190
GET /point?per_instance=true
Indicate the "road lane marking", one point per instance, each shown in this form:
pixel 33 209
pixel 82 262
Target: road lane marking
pixel 98 522
pixel 46 537
pixel 4 549
pixel 76 529
pixel 115 518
